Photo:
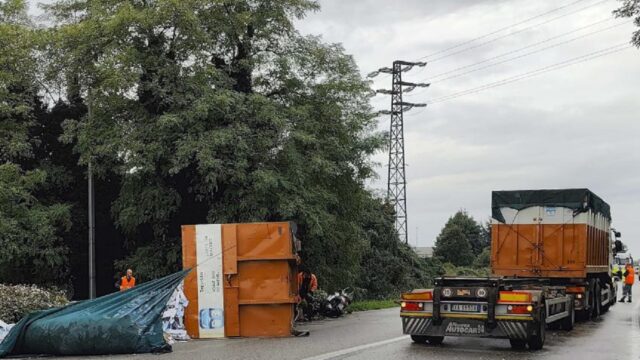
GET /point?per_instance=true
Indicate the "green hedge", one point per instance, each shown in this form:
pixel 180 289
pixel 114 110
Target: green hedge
pixel 17 301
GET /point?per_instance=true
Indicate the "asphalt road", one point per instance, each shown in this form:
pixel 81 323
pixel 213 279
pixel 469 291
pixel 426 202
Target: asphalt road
pixel 377 335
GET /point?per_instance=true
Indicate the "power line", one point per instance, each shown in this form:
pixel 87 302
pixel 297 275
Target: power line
pixel 545 69
pixel 521 49
pixel 499 30
pixel 530 52
pixel 453 71
pixel 515 32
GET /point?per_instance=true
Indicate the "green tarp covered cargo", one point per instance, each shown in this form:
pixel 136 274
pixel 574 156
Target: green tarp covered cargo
pixel 580 200
pixel 120 323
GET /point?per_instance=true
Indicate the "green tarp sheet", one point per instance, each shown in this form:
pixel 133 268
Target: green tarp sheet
pixel 579 200
pixel 120 323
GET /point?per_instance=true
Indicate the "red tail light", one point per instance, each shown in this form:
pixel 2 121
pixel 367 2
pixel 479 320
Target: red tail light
pixel 520 309
pixel 411 306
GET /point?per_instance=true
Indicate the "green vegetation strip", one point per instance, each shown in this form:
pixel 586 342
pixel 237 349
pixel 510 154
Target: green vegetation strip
pixel 372 305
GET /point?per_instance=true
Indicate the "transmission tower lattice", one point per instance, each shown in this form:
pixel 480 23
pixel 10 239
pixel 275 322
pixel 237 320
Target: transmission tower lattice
pixel 396 180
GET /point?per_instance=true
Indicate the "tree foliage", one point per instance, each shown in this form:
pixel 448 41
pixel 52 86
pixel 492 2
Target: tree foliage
pixel 452 246
pixel 631 9
pixel 474 233
pixel 463 241
pixel 32 249
pixel 33 221
pixel 389 266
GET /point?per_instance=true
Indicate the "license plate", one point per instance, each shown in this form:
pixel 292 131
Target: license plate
pixel 465 307
pixel 455 328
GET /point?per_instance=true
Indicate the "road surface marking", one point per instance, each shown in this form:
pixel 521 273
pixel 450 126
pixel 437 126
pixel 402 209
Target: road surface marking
pixel 350 350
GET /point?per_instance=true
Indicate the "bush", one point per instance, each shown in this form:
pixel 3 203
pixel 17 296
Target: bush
pixel 452 270
pixel 17 301
pixel 484 259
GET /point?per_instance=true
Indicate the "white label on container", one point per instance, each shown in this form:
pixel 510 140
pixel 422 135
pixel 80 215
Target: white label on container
pixel 210 285
pixel 550 211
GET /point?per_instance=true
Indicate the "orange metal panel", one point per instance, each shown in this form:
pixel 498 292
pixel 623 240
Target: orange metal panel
pixel 231 312
pixel 265 281
pixel 189 260
pixel 230 249
pixel 264 241
pixel 272 320
pixel 536 250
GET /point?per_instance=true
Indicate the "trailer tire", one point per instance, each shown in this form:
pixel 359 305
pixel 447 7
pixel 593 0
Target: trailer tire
pixel 518 344
pixel 596 310
pixel 536 341
pixel 420 339
pixel 568 322
pixel 435 340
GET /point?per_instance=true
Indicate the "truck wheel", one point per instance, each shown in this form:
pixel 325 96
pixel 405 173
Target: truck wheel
pixel 518 344
pixel 420 339
pixel 597 305
pixel 568 322
pixel 435 340
pixel 536 341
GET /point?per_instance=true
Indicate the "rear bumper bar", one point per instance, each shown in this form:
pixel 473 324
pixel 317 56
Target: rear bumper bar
pixel 506 327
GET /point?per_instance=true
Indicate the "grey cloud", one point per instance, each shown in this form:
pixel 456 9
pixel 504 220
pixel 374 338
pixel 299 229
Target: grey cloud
pixel 574 127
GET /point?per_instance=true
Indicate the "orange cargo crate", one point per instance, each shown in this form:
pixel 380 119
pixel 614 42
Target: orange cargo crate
pixel 549 233
pixel 244 283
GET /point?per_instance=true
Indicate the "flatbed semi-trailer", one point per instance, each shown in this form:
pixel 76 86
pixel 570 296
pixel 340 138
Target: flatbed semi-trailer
pixel 551 262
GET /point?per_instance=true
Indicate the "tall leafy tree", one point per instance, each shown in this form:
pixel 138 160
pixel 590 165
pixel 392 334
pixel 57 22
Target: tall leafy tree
pixel 32 223
pixel 18 84
pixel 32 248
pixel 474 233
pixel 215 111
pixel 452 246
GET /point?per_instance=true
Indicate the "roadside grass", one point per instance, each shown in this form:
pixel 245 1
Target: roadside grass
pixel 365 305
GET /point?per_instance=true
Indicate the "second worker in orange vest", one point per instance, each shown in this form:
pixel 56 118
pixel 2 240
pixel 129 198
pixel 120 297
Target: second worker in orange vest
pixel 629 278
pixel 127 282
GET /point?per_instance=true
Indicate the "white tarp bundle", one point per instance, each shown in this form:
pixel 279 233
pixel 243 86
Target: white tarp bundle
pixel 173 316
pixel 4 329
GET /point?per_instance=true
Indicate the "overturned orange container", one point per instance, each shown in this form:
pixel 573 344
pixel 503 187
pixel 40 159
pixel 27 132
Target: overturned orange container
pixel 244 279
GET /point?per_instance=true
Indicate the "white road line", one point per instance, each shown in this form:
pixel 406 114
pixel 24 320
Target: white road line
pixel 350 350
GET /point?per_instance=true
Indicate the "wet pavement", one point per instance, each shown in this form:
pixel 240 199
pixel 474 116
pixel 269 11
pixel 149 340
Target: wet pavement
pixel 377 335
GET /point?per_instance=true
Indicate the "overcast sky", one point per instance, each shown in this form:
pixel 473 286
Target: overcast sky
pixel 573 127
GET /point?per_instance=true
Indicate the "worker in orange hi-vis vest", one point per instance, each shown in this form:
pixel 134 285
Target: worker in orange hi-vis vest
pixel 126 282
pixel 629 278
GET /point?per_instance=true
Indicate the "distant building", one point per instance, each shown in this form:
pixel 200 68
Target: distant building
pixel 424 251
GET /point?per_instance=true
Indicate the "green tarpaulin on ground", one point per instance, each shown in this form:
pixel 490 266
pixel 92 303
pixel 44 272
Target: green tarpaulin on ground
pixel 120 323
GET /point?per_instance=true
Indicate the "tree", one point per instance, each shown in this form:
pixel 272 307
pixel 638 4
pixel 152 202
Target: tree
pixel 30 232
pixel 473 231
pixel 388 265
pixel 484 259
pixel 210 111
pixel 32 221
pixel 452 246
pixel 18 84
pixel 631 9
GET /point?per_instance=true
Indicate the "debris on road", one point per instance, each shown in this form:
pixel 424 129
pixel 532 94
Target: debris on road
pixel 124 322
pixel 173 317
pixel 4 329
